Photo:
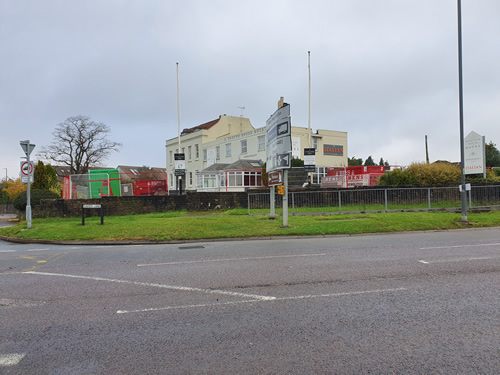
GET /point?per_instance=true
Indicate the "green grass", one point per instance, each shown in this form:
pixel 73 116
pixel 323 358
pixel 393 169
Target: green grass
pixel 235 223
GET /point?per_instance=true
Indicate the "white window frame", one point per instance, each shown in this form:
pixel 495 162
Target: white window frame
pixel 262 142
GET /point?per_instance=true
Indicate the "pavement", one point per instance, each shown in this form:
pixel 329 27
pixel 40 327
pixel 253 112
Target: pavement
pixel 7 220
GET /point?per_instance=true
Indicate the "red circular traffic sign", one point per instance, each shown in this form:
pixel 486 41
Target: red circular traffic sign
pixel 27 169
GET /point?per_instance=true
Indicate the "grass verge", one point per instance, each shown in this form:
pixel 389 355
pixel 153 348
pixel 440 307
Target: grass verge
pixel 188 226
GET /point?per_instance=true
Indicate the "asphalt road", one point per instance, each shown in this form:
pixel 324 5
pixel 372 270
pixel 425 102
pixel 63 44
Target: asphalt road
pixel 411 303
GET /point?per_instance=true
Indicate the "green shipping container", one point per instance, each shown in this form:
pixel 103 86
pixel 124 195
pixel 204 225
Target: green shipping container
pixel 104 182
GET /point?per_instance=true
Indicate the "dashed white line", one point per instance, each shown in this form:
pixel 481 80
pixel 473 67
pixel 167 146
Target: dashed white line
pixel 171 287
pixel 459 246
pixel 230 259
pixel 7 251
pixel 277 299
pixel 453 260
pixel 39 249
pixel 7 360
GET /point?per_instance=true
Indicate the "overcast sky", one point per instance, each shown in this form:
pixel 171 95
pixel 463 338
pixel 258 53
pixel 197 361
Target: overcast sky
pixel 384 71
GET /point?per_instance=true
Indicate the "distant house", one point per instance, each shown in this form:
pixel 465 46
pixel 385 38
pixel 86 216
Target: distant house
pixel 133 173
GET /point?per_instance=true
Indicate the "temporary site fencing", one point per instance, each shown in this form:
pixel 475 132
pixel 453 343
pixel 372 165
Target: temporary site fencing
pixel 378 199
pixel 97 184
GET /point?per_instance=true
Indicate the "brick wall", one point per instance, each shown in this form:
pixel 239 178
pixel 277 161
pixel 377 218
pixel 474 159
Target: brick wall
pixel 113 206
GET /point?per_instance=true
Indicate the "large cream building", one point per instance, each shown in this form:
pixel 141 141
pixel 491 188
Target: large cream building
pixel 214 152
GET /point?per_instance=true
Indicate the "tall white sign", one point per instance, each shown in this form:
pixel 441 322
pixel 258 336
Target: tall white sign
pixel 279 142
pixel 475 157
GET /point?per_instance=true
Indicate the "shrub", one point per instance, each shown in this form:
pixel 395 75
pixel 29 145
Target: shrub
pixel 421 174
pixel 35 197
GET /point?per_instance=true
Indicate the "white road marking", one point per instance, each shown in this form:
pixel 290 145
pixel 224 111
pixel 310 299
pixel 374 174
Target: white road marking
pixel 7 251
pixel 185 306
pixel 230 259
pixel 40 249
pixel 171 287
pixel 459 246
pixel 277 299
pixel 13 359
pixel 453 260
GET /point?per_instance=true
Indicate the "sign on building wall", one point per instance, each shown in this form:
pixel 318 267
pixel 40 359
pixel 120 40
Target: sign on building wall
pixel 333 150
pixel 279 143
pixel 475 160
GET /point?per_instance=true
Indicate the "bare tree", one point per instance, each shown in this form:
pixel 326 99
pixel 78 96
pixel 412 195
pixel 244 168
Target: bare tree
pixel 80 143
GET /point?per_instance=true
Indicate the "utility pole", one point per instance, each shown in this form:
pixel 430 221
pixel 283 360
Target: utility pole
pixel 426 151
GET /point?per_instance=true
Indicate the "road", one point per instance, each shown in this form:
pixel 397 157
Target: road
pixel 408 303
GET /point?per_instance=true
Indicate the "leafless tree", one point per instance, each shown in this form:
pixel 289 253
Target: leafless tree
pixel 80 143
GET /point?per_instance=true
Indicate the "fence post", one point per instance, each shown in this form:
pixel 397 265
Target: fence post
pixel 248 204
pixel 429 197
pixel 293 204
pixel 385 197
pixel 470 198
pixel 340 203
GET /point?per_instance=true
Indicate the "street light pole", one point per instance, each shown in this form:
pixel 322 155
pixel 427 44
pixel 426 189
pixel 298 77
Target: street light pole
pixel 463 193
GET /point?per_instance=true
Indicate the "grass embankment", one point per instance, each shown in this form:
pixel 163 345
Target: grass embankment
pixel 232 224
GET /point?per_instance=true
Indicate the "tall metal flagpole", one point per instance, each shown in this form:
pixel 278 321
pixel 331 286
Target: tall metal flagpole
pixel 463 193
pixel 309 112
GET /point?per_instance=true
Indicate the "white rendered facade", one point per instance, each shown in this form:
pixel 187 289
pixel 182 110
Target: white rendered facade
pixel 230 139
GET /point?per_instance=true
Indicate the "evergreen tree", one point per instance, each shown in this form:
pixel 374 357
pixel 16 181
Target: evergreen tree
pixel 352 162
pixel 492 155
pixel 45 177
pixel 369 161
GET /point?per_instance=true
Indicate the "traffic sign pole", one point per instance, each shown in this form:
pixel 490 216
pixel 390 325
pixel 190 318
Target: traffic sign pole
pixel 28 148
pixel 285 199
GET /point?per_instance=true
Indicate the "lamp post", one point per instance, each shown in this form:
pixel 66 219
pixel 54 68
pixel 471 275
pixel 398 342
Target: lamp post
pixel 463 193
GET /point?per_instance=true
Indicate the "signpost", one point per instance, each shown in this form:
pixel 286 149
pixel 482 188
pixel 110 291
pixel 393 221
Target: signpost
pixel 28 149
pixel 279 152
pixel 309 159
pixel 180 168
pixel 475 154
pixel 86 206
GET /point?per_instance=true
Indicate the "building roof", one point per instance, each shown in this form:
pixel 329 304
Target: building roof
pixel 242 164
pixel 141 173
pixel 204 126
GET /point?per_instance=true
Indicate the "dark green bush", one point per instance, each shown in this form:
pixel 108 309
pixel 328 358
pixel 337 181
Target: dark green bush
pixel 35 197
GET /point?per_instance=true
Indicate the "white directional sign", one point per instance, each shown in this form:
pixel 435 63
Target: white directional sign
pixel 279 142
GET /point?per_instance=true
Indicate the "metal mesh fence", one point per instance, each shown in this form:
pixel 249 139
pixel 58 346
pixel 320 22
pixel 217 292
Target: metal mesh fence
pixel 360 200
